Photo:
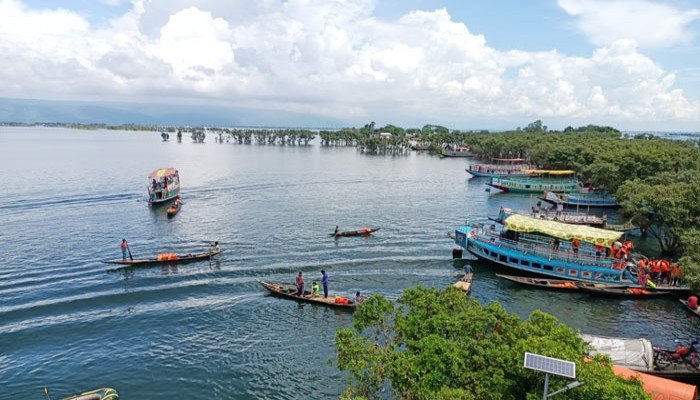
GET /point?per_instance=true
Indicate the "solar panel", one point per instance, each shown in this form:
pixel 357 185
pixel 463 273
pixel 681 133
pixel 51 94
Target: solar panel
pixel 550 365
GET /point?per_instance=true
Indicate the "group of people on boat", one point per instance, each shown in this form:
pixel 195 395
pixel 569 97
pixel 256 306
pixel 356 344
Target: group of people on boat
pixel 315 289
pixel 652 271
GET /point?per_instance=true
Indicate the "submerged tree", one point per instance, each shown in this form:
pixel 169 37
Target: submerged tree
pixel 443 345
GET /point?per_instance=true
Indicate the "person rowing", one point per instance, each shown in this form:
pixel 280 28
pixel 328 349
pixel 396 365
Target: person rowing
pixel 337 231
pixel 215 248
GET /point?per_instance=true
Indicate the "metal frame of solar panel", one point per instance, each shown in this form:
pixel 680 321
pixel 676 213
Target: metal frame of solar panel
pixel 550 365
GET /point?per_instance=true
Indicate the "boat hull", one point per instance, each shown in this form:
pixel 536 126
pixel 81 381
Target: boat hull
pixel 152 261
pixel 533 185
pixel 289 292
pixel 446 153
pixel 359 232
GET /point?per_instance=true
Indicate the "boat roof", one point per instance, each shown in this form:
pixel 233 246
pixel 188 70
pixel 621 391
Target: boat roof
pixel 550 171
pixel 523 223
pixel 161 172
pixel 508 159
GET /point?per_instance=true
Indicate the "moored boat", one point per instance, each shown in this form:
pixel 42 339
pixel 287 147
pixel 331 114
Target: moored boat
pixel 419 146
pixel 456 151
pixel 289 292
pixel 97 394
pixel 166 258
pixel 164 185
pixel 625 292
pixel 512 167
pixel 565 217
pixel 360 232
pixel 543 283
pixel 579 200
pixel 547 180
pixel 544 248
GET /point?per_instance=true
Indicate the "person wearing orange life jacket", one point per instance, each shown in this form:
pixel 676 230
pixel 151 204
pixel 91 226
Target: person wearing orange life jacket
pixel 642 278
pixel 676 274
pixel 655 269
pixel 575 244
pixel 665 267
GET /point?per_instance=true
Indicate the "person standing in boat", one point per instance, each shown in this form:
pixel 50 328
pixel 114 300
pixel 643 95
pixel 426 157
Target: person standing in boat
pixel 215 248
pixel 300 285
pixel 359 299
pixel 124 245
pixel 560 209
pixel 324 282
pixel 337 231
pixel 575 244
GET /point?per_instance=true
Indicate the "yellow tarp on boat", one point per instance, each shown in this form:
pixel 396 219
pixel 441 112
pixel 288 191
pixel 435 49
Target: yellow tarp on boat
pixel 549 171
pixel 523 223
pixel 159 173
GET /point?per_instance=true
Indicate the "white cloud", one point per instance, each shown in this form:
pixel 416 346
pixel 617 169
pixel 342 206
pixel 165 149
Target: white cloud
pixel 327 58
pixel 650 24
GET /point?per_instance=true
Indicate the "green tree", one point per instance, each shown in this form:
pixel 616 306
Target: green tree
pixel 442 345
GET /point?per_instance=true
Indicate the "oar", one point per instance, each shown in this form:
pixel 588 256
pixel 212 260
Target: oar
pixel 129 250
pixel 46 392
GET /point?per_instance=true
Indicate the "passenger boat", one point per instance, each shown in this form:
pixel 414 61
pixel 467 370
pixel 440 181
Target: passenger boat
pixel 171 259
pixel 289 292
pixel 456 151
pixel 465 283
pixel 360 232
pixel 581 199
pixel 507 167
pixel 548 180
pixel 163 185
pixel 543 283
pixel 639 355
pixel 565 217
pixel 419 146
pixel 174 209
pixel 626 292
pixel 97 394
pixel 687 307
pixel 519 249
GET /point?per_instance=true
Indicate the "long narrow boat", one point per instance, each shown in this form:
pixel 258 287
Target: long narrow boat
pixel 289 292
pixel 519 249
pixel 578 200
pixel 696 311
pixel 507 167
pixel 183 259
pixel 97 394
pixel 360 232
pixel 550 180
pixel 174 209
pixel 543 283
pixel 625 292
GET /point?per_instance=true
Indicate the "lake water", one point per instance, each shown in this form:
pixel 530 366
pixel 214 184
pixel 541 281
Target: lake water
pixel 209 330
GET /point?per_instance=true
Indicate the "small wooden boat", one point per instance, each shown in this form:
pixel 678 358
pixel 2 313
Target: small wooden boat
pixel 456 151
pixel 687 307
pixel 618 291
pixel 174 209
pixel 360 232
pixel 289 292
pixel 542 283
pixel 97 394
pixel 465 283
pixel 184 259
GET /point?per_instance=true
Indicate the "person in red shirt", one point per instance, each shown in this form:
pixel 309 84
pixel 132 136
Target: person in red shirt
pixel 124 246
pixel 300 285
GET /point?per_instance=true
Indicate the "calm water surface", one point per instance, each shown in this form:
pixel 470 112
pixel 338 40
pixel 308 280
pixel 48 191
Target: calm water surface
pixel 209 330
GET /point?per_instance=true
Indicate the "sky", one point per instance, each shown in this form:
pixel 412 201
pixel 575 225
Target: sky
pixel 632 64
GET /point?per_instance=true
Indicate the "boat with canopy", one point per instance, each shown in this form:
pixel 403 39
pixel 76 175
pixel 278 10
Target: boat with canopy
pixel 548 215
pixel 560 181
pixel 163 185
pixel 514 167
pixel 544 248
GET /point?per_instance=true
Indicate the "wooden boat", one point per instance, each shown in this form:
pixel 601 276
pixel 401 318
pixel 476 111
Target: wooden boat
pixel 360 232
pixel 696 312
pixel 465 283
pixel 174 209
pixel 514 167
pixel 97 394
pixel 456 151
pixel 289 292
pixel 577 200
pixel 163 185
pixel 184 259
pixel 548 180
pixel 627 292
pixel 543 283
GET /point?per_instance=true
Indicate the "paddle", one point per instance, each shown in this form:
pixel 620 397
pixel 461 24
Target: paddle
pixel 46 392
pixel 129 250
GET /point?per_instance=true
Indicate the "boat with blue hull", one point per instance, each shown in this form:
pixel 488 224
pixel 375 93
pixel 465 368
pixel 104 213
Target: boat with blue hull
pixel 520 249
pixel 579 200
